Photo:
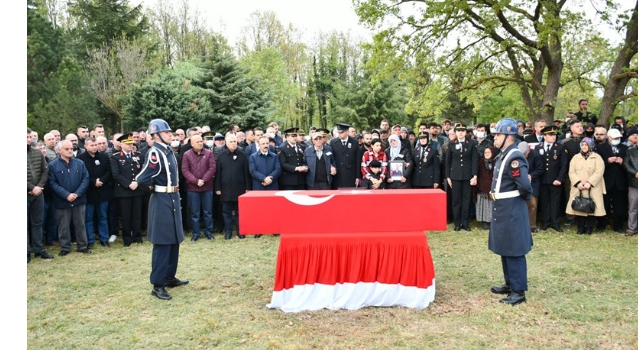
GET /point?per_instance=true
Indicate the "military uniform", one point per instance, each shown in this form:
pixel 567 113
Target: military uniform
pixel 347 158
pixel 124 169
pixel 509 233
pixel 555 164
pixel 164 228
pixel 290 158
pixel 461 165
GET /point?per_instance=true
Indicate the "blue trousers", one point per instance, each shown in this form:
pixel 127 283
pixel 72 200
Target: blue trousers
pixel 164 263
pixel 100 210
pixel 201 201
pixel 514 269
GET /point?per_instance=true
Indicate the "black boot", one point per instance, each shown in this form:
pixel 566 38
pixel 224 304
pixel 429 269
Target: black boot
pixel 514 298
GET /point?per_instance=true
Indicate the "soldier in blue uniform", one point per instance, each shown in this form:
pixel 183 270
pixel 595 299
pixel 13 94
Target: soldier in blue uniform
pixel 164 228
pixel 510 235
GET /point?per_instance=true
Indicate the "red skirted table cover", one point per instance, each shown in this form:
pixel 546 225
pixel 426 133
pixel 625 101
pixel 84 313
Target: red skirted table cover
pixel 353 270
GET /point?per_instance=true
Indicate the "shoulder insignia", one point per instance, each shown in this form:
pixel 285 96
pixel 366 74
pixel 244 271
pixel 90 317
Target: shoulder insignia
pixel 515 164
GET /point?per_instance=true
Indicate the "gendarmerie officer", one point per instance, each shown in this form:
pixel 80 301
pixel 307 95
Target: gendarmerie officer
pixel 125 166
pixel 461 172
pixel 555 164
pixel 164 229
pixel 292 163
pixel 426 171
pixel 510 234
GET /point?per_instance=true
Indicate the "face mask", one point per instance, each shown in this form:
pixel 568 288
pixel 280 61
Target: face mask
pixel 589 133
pixel 480 134
pixel 568 135
pixel 567 120
pixel 209 143
pixel 615 142
pixel 493 130
pixel 175 144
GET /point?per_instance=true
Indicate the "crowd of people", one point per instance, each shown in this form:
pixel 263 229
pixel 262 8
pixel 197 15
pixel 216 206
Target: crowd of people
pixel 82 189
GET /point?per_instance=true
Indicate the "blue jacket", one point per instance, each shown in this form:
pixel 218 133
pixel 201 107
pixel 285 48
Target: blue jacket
pixel 311 158
pixel 261 166
pixel 66 178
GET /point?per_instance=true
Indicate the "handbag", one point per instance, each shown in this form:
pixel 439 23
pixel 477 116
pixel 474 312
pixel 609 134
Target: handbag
pixel 584 204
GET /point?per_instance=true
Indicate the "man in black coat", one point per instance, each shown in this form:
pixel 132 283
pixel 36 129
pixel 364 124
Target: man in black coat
pixel 537 136
pixel 613 153
pixel 291 156
pixel 347 155
pixel 233 179
pixel 555 167
pixel 99 192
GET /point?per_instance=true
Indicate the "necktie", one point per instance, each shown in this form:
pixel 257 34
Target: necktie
pixel 548 147
pixel 539 138
pixel 344 143
pixel 129 156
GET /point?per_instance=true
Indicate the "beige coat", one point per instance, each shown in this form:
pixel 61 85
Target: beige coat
pixel 590 170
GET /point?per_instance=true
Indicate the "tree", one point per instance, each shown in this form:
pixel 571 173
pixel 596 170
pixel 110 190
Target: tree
pixel 235 97
pixel 114 69
pixel 621 72
pixel 169 95
pixel 488 42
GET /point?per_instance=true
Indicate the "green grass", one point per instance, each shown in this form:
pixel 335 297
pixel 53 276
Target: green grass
pixel 583 294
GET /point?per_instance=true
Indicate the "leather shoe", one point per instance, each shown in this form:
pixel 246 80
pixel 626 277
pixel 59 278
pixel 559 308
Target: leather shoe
pixel 457 228
pixel 241 236
pixel 63 252
pixel 557 228
pixel 194 239
pixel 503 289
pixel 44 255
pixel 544 228
pixel 161 293
pixel 514 298
pixel 466 228
pixel 105 244
pixel 85 251
pixel 175 282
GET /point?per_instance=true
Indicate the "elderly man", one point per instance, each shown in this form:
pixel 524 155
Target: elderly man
pixel 510 234
pixel 69 180
pixel 199 170
pixel 50 144
pixel 321 164
pixel 102 143
pixel 615 179
pixel 37 176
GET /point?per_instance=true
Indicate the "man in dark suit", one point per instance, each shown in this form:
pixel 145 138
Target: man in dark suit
pixel 125 166
pixel 99 192
pixel 555 167
pixel 537 136
pixel 461 172
pixel 347 155
pixel 613 153
pixel 233 179
pixel 292 163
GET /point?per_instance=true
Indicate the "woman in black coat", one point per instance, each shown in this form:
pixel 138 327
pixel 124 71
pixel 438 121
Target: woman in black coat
pixel 396 152
pixel 426 171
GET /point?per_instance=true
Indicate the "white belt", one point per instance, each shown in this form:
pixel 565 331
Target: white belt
pixel 503 195
pixel 166 189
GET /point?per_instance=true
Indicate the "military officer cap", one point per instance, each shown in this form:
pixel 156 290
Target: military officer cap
pixel 342 127
pixel 549 130
pixel 324 132
pixel 127 139
pixel 291 131
pixel 218 137
pixel 375 164
pixel 460 127
pixel 423 134
pixel 209 135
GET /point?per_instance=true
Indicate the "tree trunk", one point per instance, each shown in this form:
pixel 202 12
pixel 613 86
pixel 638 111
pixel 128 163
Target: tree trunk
pixel 620 73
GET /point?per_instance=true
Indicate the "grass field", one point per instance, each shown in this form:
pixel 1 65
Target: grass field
pixel 583 294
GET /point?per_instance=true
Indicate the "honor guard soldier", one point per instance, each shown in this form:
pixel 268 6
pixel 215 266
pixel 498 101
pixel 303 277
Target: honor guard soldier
pixel 461 172
pixel 555 164
pixel 164 228
pixel 347 156
pixel 125 166
pixel 292 163
pixel 510 234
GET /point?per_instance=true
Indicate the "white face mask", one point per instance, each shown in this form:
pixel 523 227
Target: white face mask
pixel 175 144
pixel 493 130
pixel 209 143
pixel 615 142
pixel 568 135
pixel 480 134
pixel 567 120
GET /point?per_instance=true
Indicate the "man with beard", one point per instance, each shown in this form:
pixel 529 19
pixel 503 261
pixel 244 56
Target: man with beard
pixel 366 142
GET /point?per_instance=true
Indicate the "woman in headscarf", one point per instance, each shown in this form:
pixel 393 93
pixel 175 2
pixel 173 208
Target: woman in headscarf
pixel 397 153
pixel 480 192
pixel 586 171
